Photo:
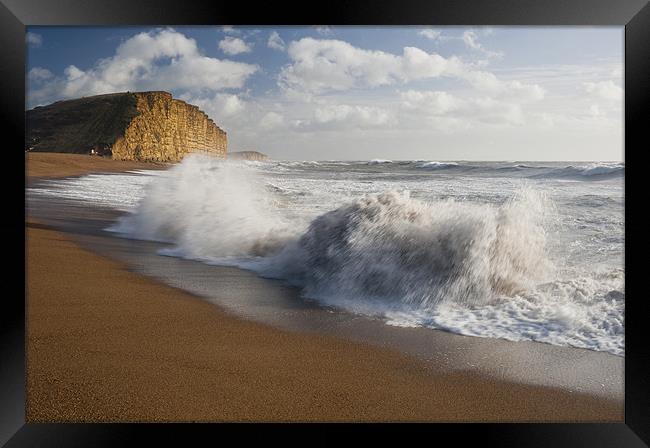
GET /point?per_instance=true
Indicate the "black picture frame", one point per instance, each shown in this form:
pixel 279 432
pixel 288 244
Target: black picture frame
pixel 15 15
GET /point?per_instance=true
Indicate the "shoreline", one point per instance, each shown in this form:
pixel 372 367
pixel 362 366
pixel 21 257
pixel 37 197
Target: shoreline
pixel 106 344
pixel 47 165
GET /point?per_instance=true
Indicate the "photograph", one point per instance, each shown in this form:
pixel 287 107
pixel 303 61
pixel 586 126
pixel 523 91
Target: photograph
pixel 324 223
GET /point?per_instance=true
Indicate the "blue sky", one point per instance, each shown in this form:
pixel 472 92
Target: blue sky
pixel 316 93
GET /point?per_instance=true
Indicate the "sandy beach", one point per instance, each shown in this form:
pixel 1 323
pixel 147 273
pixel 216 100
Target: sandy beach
pixel 53 165
pixel 106 344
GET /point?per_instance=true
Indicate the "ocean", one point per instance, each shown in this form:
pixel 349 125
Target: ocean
pixel 522 251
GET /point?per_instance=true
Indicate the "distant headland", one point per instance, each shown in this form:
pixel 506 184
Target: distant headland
pixel 140 126
pixel 247 155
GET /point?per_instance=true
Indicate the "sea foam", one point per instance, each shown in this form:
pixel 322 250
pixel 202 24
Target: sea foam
pixel 209 208
pixel 466 266
pixel 393 248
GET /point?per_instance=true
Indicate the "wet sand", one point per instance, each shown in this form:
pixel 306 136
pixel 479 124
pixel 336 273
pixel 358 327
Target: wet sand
pixel 107 344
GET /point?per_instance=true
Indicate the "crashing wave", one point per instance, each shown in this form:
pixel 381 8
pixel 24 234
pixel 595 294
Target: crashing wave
pixel 209 208
pixel 391 247
pixel 473 268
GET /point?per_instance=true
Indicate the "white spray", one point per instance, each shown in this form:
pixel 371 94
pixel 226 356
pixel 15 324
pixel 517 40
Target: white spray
pixel 209 208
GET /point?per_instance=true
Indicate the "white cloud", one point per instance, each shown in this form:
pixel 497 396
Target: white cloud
pixel 430 33
pixel 34 39
pixel 488 82
pixel 73 73
pixel 331 114
pixel 418 64
pixel 431 102
pixel 470 38
pixel 320 65
pixel 324 30
pixel 156 60
pixel 271 120
pixel 606 90
pixel 523 92
pixel 325 64
pixel 228 104
pixel 427 105
pixel 275 41
pixel 358 116
pixel 200 73
pixel 229 29
pixel 320 68
pixel 39 74
pixel 234 45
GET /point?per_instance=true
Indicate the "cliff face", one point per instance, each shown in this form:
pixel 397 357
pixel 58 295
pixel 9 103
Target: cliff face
pixel 166 129
pixel 247 155
pixel 144 126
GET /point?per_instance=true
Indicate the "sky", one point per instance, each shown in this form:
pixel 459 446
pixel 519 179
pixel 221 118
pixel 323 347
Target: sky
pixel 361 93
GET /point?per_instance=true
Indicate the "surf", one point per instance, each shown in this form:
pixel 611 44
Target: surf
pixel 488 266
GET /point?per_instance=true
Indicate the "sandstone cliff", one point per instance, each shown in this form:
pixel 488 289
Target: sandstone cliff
pixel 144 126
pixel 247 155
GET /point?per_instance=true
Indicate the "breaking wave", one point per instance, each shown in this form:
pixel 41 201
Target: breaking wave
pixel 384 247
pixel 394 248
pixel 600 169
pixel 480 269
pixel 436 165
pixel 209 208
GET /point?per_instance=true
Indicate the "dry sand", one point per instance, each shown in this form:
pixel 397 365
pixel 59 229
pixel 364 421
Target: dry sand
pixel 105 344
pixel 50 165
